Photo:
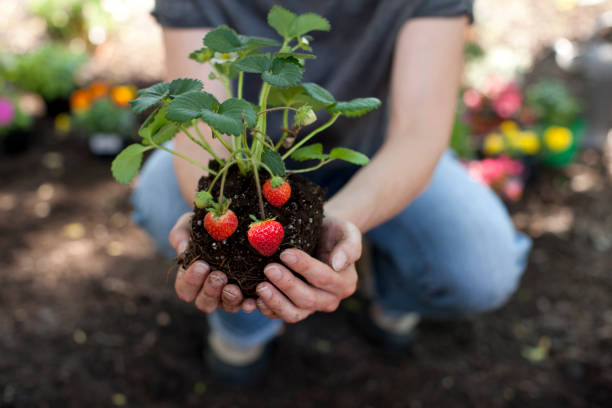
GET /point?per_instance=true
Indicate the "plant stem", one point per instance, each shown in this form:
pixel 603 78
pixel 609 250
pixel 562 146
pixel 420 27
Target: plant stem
pixel 203 144
pixel 195 163
pixel 267 169
pixel 262 213
pixel 262 139
pixel 261 120
pixel 310 135
pixel 222 76
pixel 222 140
pixel 223 170
pixel 222 186
pixel 321 163
pixel 276 108
pixel 285 126
pixel 240 83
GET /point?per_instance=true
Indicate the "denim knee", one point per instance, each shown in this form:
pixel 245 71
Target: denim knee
pixel 157 200
pixel 484 275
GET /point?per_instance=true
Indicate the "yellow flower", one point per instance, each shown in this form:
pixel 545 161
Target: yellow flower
pixel 493 144
pixel 122 95
pixel 62 123
pixel 528 142
pixel 508 127
pixel 558 138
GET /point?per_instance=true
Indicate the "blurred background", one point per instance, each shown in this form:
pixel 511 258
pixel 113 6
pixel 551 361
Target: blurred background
pixel 88 314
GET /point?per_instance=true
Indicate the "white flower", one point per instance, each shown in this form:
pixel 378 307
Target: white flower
pixel 224 58
pixel 304 41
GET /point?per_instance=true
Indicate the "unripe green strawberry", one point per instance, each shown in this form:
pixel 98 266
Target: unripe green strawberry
pixel 220 227
pixel 266 236
pixel 277 191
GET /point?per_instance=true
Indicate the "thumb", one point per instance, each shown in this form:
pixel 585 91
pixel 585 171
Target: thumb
pixel 348 249
pixel 179 234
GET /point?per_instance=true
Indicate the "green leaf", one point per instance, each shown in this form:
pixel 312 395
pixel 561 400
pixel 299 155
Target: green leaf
pixel 294 55
pixel 282 20
pixel 190 105
pixel 318 93
pixel 310 152
pixel 223 39
pixel 274 161
pixel 150 97
pixel 202 55
pixel 203 199
pixel 309 22
pixel 184 85
pixel 166 133
pixel 293 96
pixel 151 125
pixel 356 107
pixel 349 155
pixel 127 163
pixel 229 117
pixel 283 73
pixel 250 42
pixel 239 109
pixel 255 64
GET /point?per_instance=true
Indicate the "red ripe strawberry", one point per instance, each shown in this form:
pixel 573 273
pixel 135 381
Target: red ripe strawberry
pixel 266 236
pixel 220 227
pixel 277 191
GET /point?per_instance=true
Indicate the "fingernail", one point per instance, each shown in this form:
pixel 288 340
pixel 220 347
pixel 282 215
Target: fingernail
pixel 228 294
pixel 182 247
pixel 288 258
pixel 216 281
pixel 273 273
pixel 200 269
pixel 338 261
pixel 264 291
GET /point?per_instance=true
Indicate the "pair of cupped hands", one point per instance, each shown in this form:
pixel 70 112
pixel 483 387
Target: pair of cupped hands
pixel 330 277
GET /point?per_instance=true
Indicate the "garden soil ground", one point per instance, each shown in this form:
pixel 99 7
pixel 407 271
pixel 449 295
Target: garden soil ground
pixel 89 318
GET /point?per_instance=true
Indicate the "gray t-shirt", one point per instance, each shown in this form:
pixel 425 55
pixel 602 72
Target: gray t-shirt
pixel 353 59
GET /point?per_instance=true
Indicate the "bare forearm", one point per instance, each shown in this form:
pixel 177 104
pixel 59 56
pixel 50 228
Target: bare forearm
pixel 424 83
pixel 178 44
pixel 397 175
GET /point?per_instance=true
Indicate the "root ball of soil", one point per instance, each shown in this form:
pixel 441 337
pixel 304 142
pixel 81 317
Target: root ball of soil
pixel 301 217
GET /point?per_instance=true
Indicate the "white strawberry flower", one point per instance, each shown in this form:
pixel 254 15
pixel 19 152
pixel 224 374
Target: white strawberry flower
pixel 224 57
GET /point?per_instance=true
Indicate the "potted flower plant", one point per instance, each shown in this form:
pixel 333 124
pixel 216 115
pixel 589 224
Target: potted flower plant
pixel 249 204
pixel 49 71
pixel 15 124
pixel 102 112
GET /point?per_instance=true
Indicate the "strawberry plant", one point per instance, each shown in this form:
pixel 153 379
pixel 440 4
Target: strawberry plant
pixel 292 212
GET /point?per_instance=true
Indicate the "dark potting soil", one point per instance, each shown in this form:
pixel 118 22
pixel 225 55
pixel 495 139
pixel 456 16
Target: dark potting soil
pixel 301 217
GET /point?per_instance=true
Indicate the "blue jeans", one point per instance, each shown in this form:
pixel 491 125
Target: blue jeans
pixel 452 252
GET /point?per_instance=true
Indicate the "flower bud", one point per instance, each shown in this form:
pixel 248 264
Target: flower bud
pixel 305 116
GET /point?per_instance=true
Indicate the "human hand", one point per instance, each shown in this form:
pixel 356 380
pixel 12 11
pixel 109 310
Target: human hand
pixel 208 290
pixel 330 278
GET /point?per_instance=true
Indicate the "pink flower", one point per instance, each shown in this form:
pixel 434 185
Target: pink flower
pixel 493 85
pixel 487 171
pixel 510 166
pixel 472 99
pixel 508 101
pixel 513 189
pixel 7 112
pixel 494 170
